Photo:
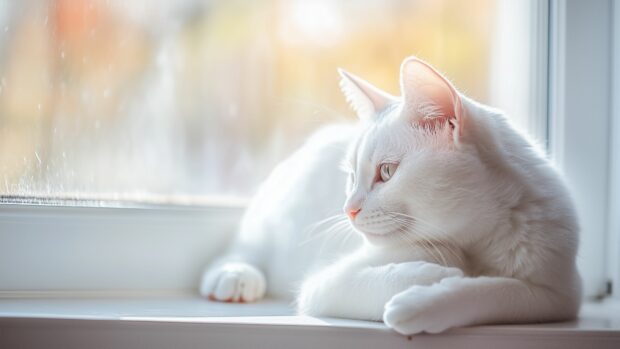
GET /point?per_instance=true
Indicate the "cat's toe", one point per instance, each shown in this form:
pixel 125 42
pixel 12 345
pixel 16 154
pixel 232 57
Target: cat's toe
pixel 234 282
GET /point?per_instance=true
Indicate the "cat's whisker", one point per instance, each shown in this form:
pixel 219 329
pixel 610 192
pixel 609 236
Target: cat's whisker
pixel 435 241
pixel 449 247
pixel 331 219
pixel 328 233
pixel 404 236
pixel 433 247
pixel 430 241
pixel 337 216
pixel 347 236
pixel 416 219
pixel 336 231
pixel 443 237
pixel 420 244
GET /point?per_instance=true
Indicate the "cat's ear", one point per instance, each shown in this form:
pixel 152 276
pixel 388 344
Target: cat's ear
pixel 366 99
pixel 429 98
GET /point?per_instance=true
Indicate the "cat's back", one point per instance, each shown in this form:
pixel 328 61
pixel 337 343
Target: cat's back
pixel 304 189
pixel 536 205
pixel 304 178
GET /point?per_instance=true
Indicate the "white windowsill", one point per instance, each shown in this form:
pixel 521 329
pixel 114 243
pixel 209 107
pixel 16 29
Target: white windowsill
pixel 186 322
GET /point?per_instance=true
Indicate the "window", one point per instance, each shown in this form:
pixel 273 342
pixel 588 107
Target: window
pixel 176 102
pixel 160 109
pixel 182 99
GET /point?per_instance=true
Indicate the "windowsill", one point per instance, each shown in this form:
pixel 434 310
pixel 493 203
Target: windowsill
pixel 187 321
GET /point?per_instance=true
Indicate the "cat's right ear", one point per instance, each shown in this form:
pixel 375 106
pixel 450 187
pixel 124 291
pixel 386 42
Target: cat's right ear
pixel 366 99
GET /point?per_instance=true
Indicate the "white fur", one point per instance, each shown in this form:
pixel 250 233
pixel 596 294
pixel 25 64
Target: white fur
pixel 474 227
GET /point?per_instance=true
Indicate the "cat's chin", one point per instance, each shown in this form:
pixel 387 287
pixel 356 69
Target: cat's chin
pixel 375 238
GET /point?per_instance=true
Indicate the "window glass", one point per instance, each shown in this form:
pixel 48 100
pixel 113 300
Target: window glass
pixel 111 98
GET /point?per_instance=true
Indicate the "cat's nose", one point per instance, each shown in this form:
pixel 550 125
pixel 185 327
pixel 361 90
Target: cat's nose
pixel 352 213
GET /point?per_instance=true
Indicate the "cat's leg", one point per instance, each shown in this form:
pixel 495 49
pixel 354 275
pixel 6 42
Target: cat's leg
pixel 354 290
pixel 456 302
pixel 235 277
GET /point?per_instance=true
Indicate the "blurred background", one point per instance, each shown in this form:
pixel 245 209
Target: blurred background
pixel 186 98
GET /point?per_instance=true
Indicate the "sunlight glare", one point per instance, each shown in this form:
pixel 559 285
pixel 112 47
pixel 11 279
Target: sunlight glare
pixel 317 21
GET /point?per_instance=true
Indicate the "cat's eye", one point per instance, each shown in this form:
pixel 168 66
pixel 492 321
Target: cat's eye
pixel 387 170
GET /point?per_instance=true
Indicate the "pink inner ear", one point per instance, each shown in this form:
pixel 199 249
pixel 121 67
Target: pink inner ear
pixel 428 94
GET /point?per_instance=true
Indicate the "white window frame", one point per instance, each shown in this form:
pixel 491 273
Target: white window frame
pixel 43 240
pixel 155 250
pixel 580 118
pixel 613 241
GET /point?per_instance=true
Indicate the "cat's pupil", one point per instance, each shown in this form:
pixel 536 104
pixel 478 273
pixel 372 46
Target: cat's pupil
pixel 385 172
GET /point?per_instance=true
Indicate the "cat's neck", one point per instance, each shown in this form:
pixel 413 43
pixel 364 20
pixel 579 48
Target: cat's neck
pixel 431 251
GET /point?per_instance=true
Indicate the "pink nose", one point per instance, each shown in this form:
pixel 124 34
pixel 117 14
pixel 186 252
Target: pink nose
pixel 353 213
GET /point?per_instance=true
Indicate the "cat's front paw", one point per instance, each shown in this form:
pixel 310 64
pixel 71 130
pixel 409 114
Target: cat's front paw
pixel 421 309
pixel 233 282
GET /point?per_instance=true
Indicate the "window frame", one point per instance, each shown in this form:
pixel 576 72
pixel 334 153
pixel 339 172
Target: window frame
pixel 212 226
pixel 100 250
pixel 613 238
pixel 585 164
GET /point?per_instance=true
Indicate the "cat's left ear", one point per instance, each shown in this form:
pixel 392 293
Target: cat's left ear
pixel 429 98
pixel 366 99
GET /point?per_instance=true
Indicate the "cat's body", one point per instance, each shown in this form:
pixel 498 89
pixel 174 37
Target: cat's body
pixel 464 221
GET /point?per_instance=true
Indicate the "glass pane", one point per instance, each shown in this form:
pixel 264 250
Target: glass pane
pixel 126 99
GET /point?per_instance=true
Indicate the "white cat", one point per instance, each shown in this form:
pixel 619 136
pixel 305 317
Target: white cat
pixel 459 220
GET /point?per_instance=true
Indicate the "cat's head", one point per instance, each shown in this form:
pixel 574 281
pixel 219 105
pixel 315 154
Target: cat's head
pixel 414 176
